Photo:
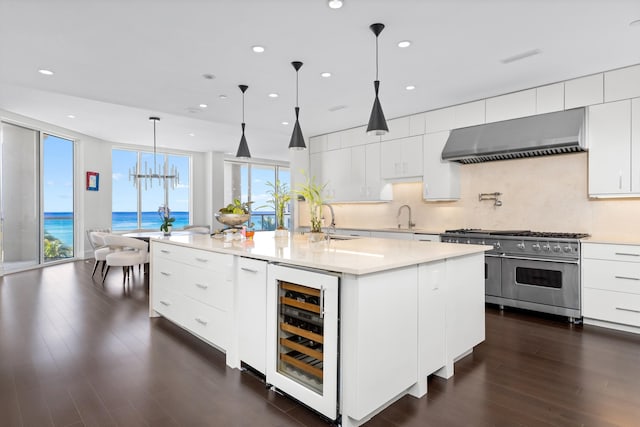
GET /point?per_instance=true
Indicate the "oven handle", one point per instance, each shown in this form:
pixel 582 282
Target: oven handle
pixel 561 261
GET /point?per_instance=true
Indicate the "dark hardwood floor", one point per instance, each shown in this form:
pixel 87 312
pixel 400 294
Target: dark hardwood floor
pixel 73 353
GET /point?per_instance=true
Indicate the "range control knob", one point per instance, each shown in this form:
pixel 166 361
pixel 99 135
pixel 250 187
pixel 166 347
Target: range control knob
pixel 546 248
pixel 468 242
pixel 482 243
pixel 496 245
pixel 567 249
pixel 520 245
pixel 536 247
pixel 557 248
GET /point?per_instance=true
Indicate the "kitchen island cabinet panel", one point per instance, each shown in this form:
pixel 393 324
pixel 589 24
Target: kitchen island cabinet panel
pixel 252 312
pixel 583 91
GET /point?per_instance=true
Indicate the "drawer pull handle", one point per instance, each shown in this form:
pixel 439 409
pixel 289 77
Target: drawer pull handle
pixel 202 259
pixel 627 309
pixel 250 270
pixel 627 254
pixel 627 277
pixel 164 251
pixel 201 286
pixel 164 273
pixel 165 303
pixel 201 321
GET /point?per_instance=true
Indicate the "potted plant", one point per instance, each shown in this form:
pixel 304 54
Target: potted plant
pixel 280 196
pixel 167 219
pixel 312 193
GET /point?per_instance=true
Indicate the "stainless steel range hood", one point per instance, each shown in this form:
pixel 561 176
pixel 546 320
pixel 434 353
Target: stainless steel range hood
pixel 541 135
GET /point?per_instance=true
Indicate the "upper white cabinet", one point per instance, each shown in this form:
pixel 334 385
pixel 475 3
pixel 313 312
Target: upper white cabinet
pixel 469 114
pixel 334 140
pixel 583 91
pixel 441 178
pixel 417 124
pixel 398 128
pixel 402 158
pixel 610 149
pixel 550 98
pixel 622 84
pixel 318 144
pixel 511 106
pixel 437 120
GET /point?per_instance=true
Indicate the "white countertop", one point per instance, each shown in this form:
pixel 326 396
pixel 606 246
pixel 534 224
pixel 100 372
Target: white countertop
pixel 355 256
pixel 386 230
pixel 614 239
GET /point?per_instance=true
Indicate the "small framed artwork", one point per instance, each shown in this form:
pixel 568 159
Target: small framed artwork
pixel 93 181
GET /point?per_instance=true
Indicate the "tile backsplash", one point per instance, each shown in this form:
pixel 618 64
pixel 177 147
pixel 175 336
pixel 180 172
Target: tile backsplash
pixel 543 194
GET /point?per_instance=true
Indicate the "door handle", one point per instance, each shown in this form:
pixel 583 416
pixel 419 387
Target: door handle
pixel 626 277
pixel 165 274
pixel 201 286
pixel 322 302
pixel 627 254
pixel 628 309
pixel 249 270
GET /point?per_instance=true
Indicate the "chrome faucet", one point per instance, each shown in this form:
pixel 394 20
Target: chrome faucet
pixel 333 217
pixel 410 224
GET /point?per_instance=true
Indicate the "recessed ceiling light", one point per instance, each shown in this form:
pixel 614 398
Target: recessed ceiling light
pixel 335 4
pixel 222 96
pixel 46 72
pixel 521 56
pixel 273 95
pixel 71 116
pixel 404 43
pixel 285 123
pixel 257 49
pixel 635 23
pixel 410 87
pixel 326 74
pixel 191 134
pixel 203 105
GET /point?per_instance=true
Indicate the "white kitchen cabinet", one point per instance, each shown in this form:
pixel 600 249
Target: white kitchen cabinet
pixel 550 98
pixel 611 285
pixel 400 235
pixel 610 149
pixel 439 120
pixel 469 114
pixel 375 189
pixel 583 91
pixel 333 169
pixel 402 158
pixel 511 106
pixel 398 128
pixel 421 237
pixel 334 140
pixel 252 312
pixel 417 124
pixel 623 83
pixel 194 289
pixel 441 178
pixel 317 144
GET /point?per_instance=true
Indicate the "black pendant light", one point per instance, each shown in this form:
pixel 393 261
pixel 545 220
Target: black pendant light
pixel 377 122
pixel 243 148
pixel 297 140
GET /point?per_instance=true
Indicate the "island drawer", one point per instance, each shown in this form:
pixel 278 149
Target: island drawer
pixel 611 275
pixel 616 307
pixel 208 322
pixel 190 256
pixel 168 303
pixel 628 253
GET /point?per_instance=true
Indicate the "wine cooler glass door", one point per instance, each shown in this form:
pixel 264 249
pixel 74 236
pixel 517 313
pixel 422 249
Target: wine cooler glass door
pixel 302 336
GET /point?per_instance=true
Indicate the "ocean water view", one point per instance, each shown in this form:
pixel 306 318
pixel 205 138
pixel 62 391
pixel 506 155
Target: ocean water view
pixel 60 224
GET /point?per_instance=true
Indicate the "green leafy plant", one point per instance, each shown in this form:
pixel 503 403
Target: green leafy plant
pixel 167 219
pixel 280 196
pixel 312 193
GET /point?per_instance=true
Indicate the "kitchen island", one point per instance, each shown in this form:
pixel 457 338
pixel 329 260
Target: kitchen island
pixel 401 310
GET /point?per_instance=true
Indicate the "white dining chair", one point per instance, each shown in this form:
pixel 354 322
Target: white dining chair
pixel 100 250
pixel 128 252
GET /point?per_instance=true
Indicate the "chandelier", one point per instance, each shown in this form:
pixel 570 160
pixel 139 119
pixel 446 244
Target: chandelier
pixel 166 176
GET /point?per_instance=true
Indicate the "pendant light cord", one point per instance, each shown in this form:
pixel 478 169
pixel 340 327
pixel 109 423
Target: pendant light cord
pixel 154 147
pixel 376 57
pixel 296 88
pixel 242 107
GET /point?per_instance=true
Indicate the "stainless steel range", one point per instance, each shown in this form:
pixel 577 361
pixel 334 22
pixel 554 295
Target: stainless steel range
pixel 527 269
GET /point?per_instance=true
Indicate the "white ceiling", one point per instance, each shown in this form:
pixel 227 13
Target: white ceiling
pixel 117 62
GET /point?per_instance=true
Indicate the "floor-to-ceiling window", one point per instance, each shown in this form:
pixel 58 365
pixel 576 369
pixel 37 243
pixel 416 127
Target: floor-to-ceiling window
pixel 248 182
pixel 36 198
pixel 57 198
pixel 135 202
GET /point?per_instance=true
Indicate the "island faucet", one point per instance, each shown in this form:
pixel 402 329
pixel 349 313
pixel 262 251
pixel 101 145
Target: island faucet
pixel 333 217
pixel 410 224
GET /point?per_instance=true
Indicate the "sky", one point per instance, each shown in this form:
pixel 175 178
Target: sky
pixel 58 174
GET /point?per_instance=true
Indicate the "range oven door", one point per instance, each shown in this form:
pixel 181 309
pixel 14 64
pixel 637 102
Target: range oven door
pixel 493 275
pixel 302 336
pixel 555 283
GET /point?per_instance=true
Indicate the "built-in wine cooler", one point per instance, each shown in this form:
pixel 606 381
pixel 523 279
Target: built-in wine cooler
pixel 302 338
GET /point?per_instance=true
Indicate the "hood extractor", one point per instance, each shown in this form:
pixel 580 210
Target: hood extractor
pixel 540 135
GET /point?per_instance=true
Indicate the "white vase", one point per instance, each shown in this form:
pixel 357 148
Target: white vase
pixel 168 232
pixel 316 236
pixel 282 233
